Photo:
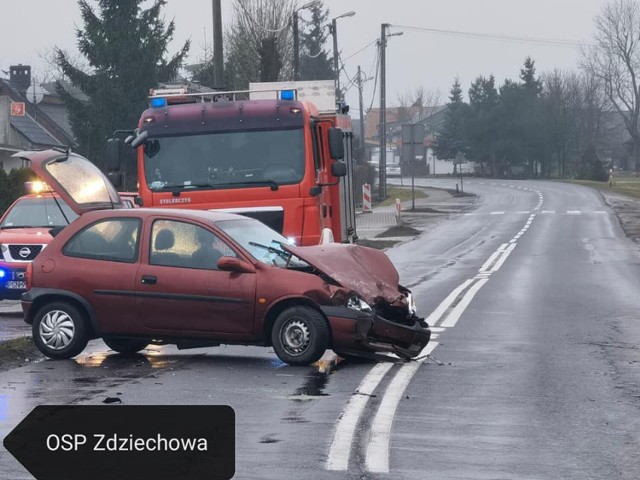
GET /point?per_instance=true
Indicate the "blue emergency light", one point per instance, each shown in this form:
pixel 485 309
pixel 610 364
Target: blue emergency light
pixel 2 273
pixel 287 95
pixel 158 102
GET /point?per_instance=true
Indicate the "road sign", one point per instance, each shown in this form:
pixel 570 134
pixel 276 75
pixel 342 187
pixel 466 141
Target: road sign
pixel 17 109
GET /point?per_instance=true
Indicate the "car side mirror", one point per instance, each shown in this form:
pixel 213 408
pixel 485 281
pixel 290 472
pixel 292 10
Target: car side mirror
pixel 339 169
pixel 233 264
pixel 336 144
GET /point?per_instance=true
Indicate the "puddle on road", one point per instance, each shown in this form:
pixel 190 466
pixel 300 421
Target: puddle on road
pixel 313 387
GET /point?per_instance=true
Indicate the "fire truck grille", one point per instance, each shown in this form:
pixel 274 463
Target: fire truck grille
pixel 24 253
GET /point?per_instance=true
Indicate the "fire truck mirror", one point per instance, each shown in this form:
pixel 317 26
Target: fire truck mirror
pixel 113 154
pixel 140 138
pixel 339 169
pixel 336 145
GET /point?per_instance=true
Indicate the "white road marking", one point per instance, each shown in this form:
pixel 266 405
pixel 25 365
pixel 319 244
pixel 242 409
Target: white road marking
pixel 340 450
pixel 454 316
pixel 492 258
pixel 377 456
pixel 574 212
pixel 497 213
pixel 433 318
pixel 503 258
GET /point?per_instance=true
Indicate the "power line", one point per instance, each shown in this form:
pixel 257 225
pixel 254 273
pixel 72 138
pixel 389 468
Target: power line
pixel 496 37
pixel 375 83
pixel 363 48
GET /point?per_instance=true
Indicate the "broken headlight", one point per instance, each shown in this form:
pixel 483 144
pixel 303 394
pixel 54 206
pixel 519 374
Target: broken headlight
pixel 411 304
pixel 357 303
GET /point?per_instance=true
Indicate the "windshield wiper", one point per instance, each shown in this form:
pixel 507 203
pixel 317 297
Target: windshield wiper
pixel 281 253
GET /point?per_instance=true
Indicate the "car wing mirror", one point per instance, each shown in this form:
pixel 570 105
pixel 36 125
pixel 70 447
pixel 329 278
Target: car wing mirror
pixel 233 264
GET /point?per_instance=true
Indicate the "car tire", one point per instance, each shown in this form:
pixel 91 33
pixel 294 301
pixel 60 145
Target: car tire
pixel 300 335
pixel 59 330
pixel 125 346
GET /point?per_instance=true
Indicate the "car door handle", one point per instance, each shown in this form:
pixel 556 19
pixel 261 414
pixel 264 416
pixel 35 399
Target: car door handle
pixel 149 280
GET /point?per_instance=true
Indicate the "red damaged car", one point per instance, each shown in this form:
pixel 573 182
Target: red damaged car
pixel 199 278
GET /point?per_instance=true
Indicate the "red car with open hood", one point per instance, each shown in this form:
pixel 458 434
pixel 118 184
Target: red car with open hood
pixel 203 278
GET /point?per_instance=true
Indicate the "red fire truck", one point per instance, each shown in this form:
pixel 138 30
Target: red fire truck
pixel 267 153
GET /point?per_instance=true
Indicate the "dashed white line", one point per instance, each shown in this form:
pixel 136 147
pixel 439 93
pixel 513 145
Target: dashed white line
pixel 574 212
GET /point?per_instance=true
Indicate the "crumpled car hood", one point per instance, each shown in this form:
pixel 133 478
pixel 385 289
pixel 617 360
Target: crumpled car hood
pixel 367 271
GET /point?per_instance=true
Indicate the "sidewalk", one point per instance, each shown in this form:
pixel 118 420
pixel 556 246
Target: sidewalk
pixel 438 203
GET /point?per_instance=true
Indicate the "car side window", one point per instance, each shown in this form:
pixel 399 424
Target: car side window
pixel 181 244
pixel 114 240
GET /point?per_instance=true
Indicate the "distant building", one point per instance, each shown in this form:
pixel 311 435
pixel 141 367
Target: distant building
pixel 29 119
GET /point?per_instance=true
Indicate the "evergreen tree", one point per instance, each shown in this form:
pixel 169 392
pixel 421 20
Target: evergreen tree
pixel 315 63
pixel 451 138
pixel 125 47
pixel 530 82
pixel 481 121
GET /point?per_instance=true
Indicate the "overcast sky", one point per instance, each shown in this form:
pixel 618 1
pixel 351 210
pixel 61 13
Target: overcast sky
pixel 417 58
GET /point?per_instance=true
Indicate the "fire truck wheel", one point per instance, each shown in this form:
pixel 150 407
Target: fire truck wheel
pixel 59 330
pixel 300 335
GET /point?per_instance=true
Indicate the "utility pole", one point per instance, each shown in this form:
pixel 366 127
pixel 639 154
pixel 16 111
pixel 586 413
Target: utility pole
pixel 382 182
pixel 362 144
pixel 296 47
pixel 336 66
pixel 335 59
pixel 218 60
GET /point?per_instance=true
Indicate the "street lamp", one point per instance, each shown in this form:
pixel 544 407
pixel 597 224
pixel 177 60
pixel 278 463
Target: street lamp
pixel 296 41
pixel 334 33
pixel 382 173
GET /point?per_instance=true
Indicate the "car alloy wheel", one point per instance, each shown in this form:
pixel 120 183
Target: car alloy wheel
pixel 59 330
pixel 300 335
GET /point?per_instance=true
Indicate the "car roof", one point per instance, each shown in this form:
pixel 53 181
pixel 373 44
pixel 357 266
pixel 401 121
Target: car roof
pixel 177 213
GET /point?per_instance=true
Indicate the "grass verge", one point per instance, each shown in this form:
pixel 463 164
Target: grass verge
pixel 18 352
pixel 622 184
pixel 403 193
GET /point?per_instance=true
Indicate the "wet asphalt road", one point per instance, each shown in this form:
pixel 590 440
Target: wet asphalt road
pixel 538 373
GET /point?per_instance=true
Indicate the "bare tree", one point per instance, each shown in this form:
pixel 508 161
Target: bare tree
pixel 561 103
pixel 419 106
pixel 258 42
pixel 615 59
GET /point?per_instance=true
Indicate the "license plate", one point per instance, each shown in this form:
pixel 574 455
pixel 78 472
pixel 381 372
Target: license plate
pixel 16 285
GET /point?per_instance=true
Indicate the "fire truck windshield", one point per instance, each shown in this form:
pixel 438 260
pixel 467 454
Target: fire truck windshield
pixel 238 159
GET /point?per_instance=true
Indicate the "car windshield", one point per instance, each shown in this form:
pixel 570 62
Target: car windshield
pixel 225 160
pixel 263 243
pixel 38 212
